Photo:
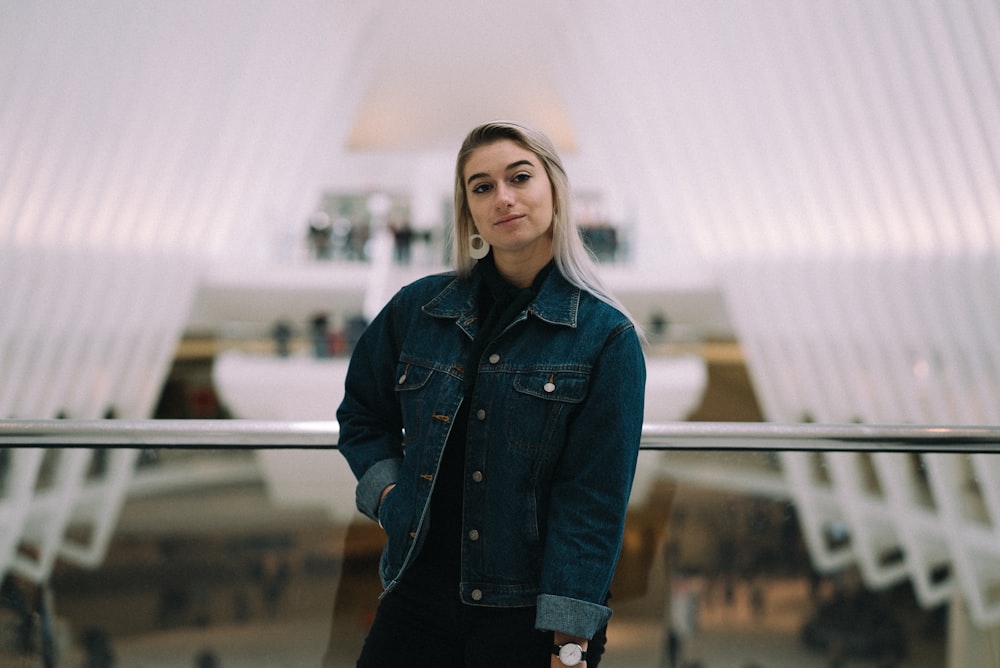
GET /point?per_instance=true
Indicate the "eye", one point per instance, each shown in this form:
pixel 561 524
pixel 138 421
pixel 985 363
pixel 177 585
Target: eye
pixel 481 188
pixel 520 177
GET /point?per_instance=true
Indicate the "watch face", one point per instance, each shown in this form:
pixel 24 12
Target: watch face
pixel 570 654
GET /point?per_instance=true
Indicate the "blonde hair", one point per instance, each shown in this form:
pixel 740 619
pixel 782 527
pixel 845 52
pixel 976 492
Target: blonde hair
pixel 572 258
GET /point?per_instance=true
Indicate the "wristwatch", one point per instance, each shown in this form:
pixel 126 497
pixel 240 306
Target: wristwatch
pixel 570 654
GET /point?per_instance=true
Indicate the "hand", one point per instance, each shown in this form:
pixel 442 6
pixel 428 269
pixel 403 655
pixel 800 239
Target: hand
pixel 561 639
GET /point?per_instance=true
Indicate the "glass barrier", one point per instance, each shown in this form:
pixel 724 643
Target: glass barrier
pixel 205 568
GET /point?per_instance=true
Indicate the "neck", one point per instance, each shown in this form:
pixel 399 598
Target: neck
pixel 520 275
pixel 520 270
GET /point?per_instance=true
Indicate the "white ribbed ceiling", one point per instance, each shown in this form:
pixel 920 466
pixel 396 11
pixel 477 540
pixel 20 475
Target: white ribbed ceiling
pixel 714 125
pixel 829 164
pixel 173 124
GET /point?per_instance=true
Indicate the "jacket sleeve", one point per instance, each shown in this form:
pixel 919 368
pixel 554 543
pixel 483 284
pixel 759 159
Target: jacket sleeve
pixel 371 430
pixel 590 491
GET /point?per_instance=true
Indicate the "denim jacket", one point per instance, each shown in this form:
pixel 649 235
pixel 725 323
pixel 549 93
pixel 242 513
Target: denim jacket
pixel 553 436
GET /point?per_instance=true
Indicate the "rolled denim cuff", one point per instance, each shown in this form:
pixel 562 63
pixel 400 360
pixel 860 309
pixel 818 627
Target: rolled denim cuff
pixel 368 494
pixel 569 615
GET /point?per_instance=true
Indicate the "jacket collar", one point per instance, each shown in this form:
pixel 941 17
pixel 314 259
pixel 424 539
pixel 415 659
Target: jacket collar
pixel 557 302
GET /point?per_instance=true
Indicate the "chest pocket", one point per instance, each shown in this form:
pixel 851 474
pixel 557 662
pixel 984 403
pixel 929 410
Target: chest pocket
pixel 540 406
pixel 412 388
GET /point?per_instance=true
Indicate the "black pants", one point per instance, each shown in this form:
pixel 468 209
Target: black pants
pixel 423 629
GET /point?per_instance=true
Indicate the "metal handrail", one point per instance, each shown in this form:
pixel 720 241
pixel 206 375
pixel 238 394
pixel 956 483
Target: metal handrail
pixel 271 434
pixel 969 544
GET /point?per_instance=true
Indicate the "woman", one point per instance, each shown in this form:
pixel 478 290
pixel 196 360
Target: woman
pixel 492 417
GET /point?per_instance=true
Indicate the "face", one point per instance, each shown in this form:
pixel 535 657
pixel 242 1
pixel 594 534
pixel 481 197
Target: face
pixel 510 199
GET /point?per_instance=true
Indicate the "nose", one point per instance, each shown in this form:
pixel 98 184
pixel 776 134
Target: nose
pixel 504 198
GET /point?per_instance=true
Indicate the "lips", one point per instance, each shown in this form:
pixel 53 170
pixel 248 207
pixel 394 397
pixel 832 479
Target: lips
pixel 507 219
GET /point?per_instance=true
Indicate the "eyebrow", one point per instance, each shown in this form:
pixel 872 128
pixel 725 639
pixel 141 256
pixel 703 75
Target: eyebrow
pixel 509 167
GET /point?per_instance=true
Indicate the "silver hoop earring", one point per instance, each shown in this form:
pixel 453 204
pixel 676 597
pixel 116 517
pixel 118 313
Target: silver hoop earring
pixel 478 247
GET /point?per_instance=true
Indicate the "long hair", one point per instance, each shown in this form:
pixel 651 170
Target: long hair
pixel 572 257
